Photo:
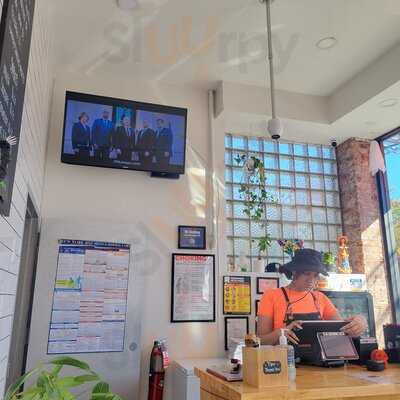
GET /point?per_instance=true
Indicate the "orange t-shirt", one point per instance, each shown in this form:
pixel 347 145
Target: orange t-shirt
pixel 273 304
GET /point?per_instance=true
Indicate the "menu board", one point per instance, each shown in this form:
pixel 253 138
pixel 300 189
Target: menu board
pixel 193 288
pixel 15 40
pixel 237 295
pixel 90 298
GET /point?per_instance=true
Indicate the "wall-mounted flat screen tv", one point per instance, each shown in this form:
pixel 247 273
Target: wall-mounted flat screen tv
pixel 107 132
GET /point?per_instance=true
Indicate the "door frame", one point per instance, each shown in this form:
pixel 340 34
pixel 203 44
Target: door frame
pixel 24 294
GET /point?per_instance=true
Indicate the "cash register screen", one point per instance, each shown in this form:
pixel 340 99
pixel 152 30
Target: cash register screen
pixel 337 346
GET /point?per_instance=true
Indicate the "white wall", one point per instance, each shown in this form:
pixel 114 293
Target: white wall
pixel 29 173
pixel 155 207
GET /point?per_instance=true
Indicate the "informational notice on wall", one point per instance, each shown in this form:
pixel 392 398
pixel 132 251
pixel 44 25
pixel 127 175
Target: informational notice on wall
pixel 237 295
pixel 90 298
pixel 193 288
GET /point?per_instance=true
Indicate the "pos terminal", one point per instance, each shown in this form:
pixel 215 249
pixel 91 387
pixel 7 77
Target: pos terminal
pixel 322 343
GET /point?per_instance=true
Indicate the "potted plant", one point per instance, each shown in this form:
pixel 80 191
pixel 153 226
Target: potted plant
pixel 256 197
pixel 329 259
pixel 262 244
pixel 49 385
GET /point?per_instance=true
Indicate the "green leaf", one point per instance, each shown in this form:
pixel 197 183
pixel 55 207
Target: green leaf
pixel 56 370
pixel 101 387
pixel 87 378
pixel 48 385
pixel 73 362
pixel 14 388
pixel 54 394
pixel 40 381
pixel 67 395
pixel 36 396
pixel 67 382
pixel 73 381
pixel 102 396
pixel 30 393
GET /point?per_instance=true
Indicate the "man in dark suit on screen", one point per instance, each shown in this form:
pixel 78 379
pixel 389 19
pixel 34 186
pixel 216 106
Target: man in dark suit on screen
pixel 81 137
pixel 163 144
pixel 102 130
pixel 144 145
pixel 121 139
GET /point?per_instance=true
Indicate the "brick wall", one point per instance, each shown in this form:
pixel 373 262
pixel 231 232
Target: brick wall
pixel 361 223
pixel 29 173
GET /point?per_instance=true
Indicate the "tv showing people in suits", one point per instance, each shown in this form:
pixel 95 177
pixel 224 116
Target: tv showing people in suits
pixel 165 137
pixel 80 136
pixel 102 130
pixel 145 143
pixel 122 140
pixel 107 132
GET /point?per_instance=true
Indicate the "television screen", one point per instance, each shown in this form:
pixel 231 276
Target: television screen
pixel 108 132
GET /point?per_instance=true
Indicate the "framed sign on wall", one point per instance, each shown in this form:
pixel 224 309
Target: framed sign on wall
pixel 264 284
pixel 192 237
pixel 237 295
pixel 15 41
pixel 235 328
pixel 193 288
pixel 257 304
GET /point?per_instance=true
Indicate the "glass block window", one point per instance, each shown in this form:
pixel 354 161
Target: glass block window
pixel 302 178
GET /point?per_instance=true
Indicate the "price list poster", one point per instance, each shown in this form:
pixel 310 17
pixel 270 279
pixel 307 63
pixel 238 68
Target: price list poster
pixel 237 295
pixel 15 42
pixel 90 298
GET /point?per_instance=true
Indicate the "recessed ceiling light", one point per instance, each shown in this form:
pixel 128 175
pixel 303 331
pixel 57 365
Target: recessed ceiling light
pixel 388 103
pixel 127 4
pixel 326 43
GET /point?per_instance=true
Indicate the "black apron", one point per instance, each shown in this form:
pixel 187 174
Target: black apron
pixel 290 317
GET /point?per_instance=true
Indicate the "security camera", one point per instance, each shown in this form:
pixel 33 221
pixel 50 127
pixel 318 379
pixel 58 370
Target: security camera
pixel 275 128
pixel 334 143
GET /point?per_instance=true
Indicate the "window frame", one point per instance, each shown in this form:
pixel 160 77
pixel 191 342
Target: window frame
pixel 389 241
pixel 329 211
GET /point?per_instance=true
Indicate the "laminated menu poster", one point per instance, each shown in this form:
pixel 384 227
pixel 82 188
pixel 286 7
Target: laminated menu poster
pixel 90 298
pixel 193 288
pixel 237 295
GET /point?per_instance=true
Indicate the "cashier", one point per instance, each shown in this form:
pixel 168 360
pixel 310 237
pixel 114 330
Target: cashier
pixel 299 301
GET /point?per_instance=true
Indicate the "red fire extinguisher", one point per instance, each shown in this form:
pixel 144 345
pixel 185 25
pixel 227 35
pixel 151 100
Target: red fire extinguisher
pixel 158 364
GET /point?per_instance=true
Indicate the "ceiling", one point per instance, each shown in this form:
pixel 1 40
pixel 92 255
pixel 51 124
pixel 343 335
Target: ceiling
pixel 203 42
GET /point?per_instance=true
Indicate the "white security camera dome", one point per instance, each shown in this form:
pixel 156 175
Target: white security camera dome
pixel 275 128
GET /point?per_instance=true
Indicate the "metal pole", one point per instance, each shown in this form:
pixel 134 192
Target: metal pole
pixel 270 55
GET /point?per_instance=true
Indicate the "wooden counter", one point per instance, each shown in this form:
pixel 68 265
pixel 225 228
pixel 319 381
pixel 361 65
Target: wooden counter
pixel 351 382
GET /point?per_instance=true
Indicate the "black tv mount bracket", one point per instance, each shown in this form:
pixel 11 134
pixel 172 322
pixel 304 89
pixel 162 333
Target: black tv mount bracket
pixel 164 175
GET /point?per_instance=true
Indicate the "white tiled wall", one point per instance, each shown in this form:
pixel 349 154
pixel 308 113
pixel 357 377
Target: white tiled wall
pixel 29 173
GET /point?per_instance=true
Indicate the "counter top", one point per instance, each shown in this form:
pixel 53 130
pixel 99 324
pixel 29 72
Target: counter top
pixel 312 383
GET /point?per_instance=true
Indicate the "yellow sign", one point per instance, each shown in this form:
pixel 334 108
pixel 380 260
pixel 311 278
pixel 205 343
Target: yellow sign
pixel 237 295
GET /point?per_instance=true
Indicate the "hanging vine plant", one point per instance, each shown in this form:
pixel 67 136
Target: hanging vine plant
pixel 255 196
